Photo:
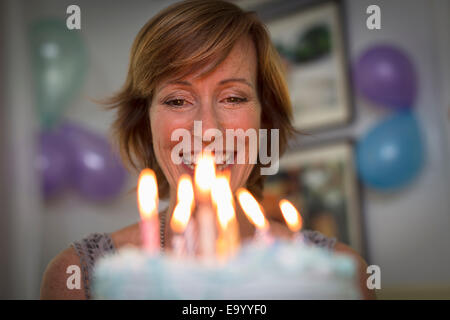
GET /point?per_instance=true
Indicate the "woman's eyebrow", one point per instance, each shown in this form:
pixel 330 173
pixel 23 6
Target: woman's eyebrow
pixel 222 82
pixel 242 80
pixel 185 83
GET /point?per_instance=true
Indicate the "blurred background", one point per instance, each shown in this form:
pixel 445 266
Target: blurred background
pixel 371 90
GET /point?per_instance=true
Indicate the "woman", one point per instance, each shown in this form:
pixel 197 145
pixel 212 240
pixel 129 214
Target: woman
pixel 202 61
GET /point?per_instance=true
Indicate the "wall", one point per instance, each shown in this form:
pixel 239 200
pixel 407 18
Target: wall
pixel 406 232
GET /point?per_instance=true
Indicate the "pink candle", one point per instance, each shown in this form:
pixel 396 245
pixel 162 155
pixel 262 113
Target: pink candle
pixel 181 217
pixel 148 210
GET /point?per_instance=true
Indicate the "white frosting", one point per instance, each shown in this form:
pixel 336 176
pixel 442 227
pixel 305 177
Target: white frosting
pixel 284 270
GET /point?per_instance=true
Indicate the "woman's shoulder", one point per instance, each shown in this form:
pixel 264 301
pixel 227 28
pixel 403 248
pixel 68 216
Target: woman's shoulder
pixel 78 260
pixel 129 235
pixel 68 275
pixel 54 284
pixel 319 239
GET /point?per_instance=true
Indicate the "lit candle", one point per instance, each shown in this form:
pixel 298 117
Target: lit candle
pixel 204 176
pixel 178 224
pixel 191 238
pixel 147 193
pixel 254 213
pixel 181 216
pixel 222 198
pixel 292 217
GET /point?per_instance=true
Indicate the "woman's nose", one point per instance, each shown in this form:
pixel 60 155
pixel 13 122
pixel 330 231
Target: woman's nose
pixel 210 124
pixel 208 116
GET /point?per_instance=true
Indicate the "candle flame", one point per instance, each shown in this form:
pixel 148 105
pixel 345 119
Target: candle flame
pixel 291 215
pixel 222 198
pixel 180 217
pixel 185 190
pixel 205 172
pixel 147 192
pixel 251 208
pixel 183 209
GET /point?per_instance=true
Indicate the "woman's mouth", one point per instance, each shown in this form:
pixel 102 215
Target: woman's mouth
pixel 223 161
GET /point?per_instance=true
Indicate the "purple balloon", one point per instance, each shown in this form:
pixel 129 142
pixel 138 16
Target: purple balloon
pixel 52 163
pixel 385 75
pixel 96 172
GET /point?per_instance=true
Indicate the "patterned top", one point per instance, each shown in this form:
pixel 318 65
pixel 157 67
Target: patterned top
pixel 96 245
pixel 89 250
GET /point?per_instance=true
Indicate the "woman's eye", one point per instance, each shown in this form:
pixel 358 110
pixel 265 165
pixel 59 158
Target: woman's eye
pixel 176 102
pixel 235 100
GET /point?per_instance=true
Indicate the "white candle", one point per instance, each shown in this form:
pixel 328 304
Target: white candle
pixel 178 224
pixel 181 215
pixel 228 235
pixel 207 232
pixel 205 216
pixel 293 219
pixel 179 245
pixel 191 238
pixel 254 213
pixel 299 237
pixel 263 237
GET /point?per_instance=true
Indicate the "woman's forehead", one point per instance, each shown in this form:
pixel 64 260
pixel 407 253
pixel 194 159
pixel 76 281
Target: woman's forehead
pixel 241 61
pixel 240 64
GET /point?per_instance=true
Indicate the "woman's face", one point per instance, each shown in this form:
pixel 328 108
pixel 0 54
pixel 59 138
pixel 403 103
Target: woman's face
pixel 224 99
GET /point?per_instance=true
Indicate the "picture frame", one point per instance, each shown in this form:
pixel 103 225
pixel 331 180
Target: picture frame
pixel 310 40
pixel 321 182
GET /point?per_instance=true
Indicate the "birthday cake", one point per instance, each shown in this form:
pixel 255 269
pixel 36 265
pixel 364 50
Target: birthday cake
pixel 282 270
pixel 207 260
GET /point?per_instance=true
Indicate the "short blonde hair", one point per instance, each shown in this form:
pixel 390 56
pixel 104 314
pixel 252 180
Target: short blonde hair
pixel 182 39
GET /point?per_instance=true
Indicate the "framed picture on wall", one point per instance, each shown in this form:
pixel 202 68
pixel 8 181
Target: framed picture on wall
pixel 321 182
pixel 310 41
